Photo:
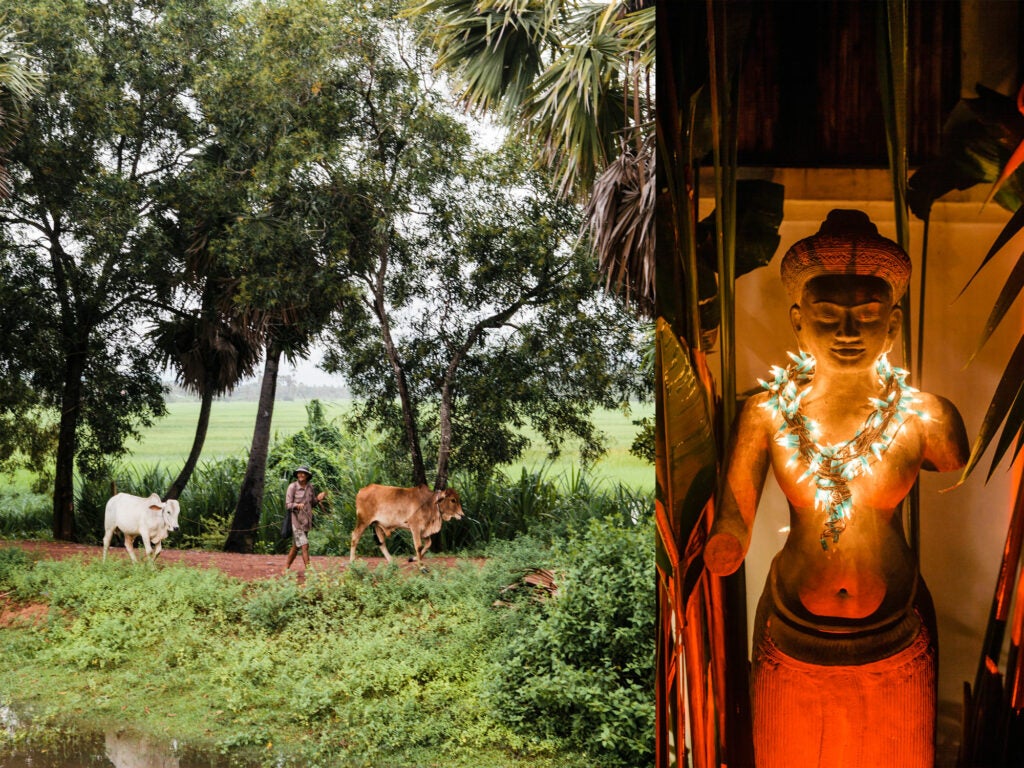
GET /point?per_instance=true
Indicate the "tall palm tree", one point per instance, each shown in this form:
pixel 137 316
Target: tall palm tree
pixel 574 78
pixel 215 346
pixel 211 353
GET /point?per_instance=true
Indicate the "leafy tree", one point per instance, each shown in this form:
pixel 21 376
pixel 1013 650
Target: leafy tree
pixel 25 432
pixel 210 345
pixel 278 102
pixel 487 319
pixel 115 119
pixel 467 273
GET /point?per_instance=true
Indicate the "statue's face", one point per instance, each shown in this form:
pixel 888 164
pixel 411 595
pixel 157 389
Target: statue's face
pixel 846 321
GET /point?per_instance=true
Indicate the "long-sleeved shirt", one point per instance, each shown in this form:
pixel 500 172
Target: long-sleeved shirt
pixel 300 501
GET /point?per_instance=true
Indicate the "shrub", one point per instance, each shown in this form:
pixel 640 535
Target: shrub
pixel 359 667
pixel 581 667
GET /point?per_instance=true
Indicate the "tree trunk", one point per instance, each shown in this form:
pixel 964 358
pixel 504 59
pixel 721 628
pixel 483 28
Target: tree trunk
pixel 67 445
pixel 444 448
pixel 242 537
pixel 197 444
pixel 419 472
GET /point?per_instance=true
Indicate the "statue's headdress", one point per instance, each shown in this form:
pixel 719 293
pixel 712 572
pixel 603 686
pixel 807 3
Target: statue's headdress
pixel 848 243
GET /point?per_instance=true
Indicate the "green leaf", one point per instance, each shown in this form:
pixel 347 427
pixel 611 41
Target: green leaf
pixel 1009 388
pixel 1013 226
pixel 1007 296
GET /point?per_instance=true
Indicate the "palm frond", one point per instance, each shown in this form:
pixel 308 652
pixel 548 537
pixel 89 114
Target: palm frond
pixel 575 107
pixel 19 83
pixel 620 220
pixel 637 32
pixel 492 48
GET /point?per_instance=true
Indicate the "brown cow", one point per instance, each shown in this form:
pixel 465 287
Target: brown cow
pixel 419 510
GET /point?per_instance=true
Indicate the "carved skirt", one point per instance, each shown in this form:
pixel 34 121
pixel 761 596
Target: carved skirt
pixel 879 714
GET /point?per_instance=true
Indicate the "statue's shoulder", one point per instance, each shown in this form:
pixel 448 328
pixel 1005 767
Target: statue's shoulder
pixel 755 413
pixel 757 401
pixel 946 438
pixel 935 406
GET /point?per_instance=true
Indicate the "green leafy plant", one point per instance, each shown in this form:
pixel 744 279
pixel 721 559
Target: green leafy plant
pixel 580 667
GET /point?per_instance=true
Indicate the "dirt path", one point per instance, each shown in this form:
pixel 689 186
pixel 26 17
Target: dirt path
pixel 245 567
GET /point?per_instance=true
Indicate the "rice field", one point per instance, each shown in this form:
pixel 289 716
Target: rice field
pixel 231 423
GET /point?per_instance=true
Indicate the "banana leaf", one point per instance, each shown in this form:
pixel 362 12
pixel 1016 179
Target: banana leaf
pixel 978 139
pixel 689 470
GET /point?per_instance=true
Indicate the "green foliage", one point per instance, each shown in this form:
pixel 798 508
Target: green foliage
pixel 318 446
pixel 81 263
pixel 24 515
pixel 489 315
pixel 643 444
pixel 581 668
pixel 12 562
pixel 361 667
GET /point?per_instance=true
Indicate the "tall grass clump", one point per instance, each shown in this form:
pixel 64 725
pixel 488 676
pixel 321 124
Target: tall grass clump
pixel 24 515
pixel 550 508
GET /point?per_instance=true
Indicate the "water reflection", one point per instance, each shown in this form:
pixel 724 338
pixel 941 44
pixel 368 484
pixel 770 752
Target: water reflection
pixel 125 751
pixel 120 749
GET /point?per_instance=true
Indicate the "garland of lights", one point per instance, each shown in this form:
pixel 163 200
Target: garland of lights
pixel 831 468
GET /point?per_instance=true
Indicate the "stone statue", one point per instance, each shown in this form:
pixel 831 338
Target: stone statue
pixel 844 655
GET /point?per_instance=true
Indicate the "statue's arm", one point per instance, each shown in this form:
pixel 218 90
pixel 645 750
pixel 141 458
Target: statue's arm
pixel 946 446
pixel 747 464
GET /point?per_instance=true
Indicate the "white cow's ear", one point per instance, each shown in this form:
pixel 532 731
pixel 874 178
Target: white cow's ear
pixel 155 508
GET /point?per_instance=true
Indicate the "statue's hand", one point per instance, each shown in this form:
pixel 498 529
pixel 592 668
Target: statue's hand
pixel 723 554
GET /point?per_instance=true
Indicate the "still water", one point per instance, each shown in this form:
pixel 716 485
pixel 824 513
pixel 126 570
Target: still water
pixel 120 749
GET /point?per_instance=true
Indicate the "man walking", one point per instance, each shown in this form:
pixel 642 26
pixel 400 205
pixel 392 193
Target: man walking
pixel 299 502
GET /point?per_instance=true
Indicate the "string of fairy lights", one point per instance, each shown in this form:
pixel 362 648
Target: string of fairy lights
pixel 831 468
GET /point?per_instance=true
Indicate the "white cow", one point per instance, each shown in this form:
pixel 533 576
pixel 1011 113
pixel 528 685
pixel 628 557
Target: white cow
pixel 150 519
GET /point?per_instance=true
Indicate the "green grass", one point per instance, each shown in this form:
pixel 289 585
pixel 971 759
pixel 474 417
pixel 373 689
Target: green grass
pixel 357 667
pixel 231 423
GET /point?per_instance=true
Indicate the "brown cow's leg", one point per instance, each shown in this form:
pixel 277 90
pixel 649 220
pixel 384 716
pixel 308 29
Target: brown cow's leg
pixel 421 550
pixel 356 533
pixel 417 545
pixel 378 532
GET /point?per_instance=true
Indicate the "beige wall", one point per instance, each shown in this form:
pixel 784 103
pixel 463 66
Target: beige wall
pixel 962 531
